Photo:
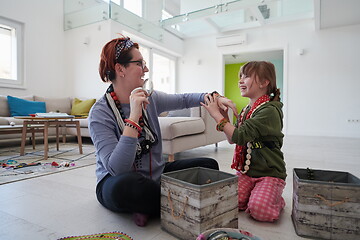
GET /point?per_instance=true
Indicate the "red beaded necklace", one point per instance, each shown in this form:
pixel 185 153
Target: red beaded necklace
pixel 118 105
pixel 147 138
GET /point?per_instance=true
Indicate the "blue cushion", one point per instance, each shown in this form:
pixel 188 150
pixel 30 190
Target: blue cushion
pixel 22 107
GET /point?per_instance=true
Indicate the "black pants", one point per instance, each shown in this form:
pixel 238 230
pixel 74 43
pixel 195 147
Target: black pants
pixel 133 193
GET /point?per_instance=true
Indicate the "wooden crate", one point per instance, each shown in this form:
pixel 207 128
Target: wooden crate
pixel 197 199
pixel 326 204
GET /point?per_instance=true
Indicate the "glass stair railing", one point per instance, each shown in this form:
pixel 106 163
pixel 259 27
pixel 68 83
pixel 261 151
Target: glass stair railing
pixel 221 18
pixel 77 15
pixel 236 15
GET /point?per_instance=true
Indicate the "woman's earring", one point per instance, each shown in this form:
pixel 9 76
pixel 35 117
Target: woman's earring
pixel 123 75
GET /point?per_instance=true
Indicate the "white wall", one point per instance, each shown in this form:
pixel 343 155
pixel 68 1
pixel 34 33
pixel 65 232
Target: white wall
pixel 43 47
pixel 322 85
pixel 201 67
pixel 82 50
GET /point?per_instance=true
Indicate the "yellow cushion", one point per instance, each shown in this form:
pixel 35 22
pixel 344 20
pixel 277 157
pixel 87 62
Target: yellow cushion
pixel 80 107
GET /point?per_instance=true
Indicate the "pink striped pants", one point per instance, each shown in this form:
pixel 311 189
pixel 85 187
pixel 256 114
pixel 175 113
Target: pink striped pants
pixel 261 197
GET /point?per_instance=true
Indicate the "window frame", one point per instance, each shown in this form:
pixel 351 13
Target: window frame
pixel 19 82
pixel 150 64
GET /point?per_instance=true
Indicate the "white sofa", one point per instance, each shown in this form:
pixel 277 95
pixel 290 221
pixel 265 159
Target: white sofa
pixel 182 133
pixel 179 133
pixel 52 105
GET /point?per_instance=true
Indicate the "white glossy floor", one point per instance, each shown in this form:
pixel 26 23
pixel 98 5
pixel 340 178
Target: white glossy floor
pixel 64 204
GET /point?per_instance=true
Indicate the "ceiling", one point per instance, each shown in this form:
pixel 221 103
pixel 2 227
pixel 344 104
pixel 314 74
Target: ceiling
pixel 335 13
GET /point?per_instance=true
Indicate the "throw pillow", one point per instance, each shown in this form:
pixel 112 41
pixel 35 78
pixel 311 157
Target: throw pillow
pixel 22 107
pixel 82 108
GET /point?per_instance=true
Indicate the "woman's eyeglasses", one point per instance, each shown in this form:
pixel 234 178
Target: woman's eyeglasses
pixel 141 62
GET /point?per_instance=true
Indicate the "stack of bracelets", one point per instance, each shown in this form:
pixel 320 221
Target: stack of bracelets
pixel 220 126
pixel 134 125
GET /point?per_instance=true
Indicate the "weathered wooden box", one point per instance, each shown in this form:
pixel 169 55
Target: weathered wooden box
pixel 197 199
pixel 326 204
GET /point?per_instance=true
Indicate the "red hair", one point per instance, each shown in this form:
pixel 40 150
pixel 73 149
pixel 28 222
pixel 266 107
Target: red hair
pixel 108 60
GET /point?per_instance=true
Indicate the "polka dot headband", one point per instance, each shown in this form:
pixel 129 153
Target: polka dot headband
pixel 123 45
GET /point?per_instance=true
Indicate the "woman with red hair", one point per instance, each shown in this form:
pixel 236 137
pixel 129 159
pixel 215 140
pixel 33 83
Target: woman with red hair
pixel 125 130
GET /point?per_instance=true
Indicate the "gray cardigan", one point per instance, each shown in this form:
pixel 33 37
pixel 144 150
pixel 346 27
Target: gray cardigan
pixel 115 154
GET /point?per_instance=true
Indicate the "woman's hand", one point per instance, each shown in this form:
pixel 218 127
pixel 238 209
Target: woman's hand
pixel 138 101
pixel 211 105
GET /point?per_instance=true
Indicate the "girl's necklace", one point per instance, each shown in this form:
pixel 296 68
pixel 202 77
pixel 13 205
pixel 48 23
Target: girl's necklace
pixel 239 149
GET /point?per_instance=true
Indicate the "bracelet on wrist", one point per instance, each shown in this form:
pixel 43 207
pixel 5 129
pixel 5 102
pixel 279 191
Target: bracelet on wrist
pixel 220 126
pixel 135 124
pixel 133 127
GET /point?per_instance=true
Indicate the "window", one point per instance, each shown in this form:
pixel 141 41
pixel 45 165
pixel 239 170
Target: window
pixel 114 1
pixel 11 57
pixel 161 69
pixel 163 73
pixel 165 15
pixel 134 6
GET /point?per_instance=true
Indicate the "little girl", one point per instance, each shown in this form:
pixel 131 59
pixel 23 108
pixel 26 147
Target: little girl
pixel 257 158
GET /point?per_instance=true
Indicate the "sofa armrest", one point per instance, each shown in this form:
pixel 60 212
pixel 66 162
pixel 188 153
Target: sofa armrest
pixel 212 135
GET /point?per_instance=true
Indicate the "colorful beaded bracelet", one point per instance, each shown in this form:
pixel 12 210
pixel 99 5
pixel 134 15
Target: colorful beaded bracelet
pixel 220 126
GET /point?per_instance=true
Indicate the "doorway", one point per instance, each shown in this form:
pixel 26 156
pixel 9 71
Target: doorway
pixel 234 61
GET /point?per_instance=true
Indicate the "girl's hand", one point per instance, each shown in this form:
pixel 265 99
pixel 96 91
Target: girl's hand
pixel 211 105
pixel 138 101
pixel 225 103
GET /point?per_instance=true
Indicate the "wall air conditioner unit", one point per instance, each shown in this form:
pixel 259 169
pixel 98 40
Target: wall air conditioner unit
pixel 231 40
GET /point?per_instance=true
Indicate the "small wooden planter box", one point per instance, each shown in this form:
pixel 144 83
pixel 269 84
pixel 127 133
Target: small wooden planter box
pixel 198 199
pixel 328 206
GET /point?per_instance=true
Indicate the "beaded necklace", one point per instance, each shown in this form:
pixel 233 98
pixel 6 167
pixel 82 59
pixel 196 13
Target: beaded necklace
pixel 147 138
pixel 240 154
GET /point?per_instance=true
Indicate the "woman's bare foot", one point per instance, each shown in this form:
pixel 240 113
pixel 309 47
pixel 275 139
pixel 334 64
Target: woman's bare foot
pixel 140 219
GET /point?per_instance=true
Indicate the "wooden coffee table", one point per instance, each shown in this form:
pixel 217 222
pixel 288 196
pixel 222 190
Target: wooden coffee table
pixel 13 129
pixel 46 122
